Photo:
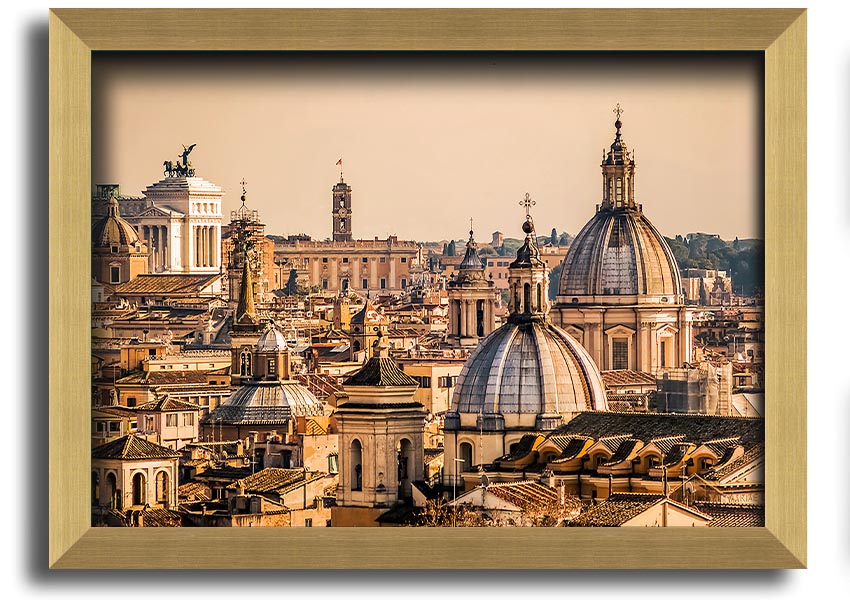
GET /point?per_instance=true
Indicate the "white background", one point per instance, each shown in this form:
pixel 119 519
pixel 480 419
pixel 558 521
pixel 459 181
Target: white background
pixel 24 244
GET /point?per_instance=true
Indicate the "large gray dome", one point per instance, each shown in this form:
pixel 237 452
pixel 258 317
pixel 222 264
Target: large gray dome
pixel 619 253
pixel 529 367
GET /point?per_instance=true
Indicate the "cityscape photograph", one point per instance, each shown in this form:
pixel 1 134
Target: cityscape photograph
pixel 388 290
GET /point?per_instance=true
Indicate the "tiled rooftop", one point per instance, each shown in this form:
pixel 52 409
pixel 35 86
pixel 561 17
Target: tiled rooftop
pixel 616 510
pixel 274 480
pixel 732 515
pixel 131 447
pixel 171 284
pixel 624 377
pixel 724 470
pixel 526 495
pixel 696 429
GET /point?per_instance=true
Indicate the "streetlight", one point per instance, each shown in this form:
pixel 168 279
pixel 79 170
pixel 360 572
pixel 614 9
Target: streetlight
pixel 454 491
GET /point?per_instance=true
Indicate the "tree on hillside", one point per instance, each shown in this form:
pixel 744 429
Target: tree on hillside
pixel 554 237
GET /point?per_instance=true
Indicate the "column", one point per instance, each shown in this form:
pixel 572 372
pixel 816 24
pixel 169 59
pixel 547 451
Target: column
pixel 166 247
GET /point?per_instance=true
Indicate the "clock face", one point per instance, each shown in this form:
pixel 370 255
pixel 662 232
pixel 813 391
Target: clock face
pixel 342 212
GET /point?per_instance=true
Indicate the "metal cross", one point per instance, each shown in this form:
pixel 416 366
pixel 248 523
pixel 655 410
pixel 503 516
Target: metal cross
pixel 470 225
pixel 527 202
pixel 243 183
pixel 618 111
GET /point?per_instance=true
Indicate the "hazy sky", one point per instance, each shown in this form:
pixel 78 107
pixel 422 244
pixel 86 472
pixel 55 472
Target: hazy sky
pixel 428 141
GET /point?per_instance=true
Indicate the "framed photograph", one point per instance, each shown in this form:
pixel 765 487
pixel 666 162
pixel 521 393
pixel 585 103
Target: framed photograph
pixel 387 378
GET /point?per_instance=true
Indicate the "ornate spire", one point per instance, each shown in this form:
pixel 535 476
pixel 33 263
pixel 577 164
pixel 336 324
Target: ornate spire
pixel 528 277
pixel 246 291
pixel 618 166
pixel 528 255
pixel 471 261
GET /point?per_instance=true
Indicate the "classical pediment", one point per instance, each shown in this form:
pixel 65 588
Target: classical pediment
pixel 156 211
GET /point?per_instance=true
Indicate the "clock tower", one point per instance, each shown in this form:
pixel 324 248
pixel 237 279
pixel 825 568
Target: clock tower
pixel 341 211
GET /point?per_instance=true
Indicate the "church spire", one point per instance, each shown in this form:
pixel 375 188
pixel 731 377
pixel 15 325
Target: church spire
pixel 618 172
pixel 246 290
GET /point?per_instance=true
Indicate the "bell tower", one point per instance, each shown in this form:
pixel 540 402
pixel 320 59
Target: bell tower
pixel 341 209
pixel 472 300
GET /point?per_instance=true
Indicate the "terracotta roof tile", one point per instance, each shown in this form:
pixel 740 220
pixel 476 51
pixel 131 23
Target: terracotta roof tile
pixel 622 377
pixel 616 510
pixel 732 515
pixel 170 284
pixel 380 372
pixel 131 447
pixel 524 495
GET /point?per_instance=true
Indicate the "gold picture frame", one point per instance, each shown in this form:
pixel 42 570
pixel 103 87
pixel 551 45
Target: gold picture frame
pixel 780 34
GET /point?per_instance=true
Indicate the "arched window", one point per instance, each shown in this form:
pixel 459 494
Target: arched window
pixel 139 496
pixel 245 363
pixel 526 298
pixel 465 454
pixel 356 466
pixel 539 298
pixel 162 487
pixel 112 487
pixel 479 318
pixel 356 346
pixel 405 464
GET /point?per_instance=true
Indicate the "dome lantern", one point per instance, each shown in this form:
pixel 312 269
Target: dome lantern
pixel 618 172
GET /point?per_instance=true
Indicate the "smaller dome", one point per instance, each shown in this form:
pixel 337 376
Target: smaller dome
pixel 271 341
pixel 266 403
pixel 112 230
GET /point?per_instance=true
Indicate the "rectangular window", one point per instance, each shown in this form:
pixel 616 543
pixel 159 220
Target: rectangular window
pixel 333 463
pixel 620 354
pixel 489 263
pixel 619 189
pixel 383 283
pixel 188 419
pixel 131 401
pixel 272 365
pixel 383 259
pixel 446 381
pixel 171 420
pixel 365 282
pixel 114 426
pixel 308 522
pixel 114 249
pixel 345 260
pixel 324 259
pixel 403 283
pixel 663 353
pixel 365 260
pixel 324 284
pixel 115 274
pixel 403 259
pixel 100 426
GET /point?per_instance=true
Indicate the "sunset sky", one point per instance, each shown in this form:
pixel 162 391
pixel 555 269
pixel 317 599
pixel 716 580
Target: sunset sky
pixel 428 141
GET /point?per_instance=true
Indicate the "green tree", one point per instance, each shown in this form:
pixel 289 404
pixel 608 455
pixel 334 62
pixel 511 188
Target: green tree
pixel 554 237
pixel 451 250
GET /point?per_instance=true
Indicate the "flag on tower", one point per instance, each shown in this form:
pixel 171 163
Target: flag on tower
pixel 339 162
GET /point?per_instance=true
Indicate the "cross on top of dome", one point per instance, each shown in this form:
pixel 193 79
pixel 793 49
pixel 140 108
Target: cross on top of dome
pixel 527 202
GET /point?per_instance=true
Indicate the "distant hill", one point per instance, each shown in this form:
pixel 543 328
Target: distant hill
pixel 742 259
